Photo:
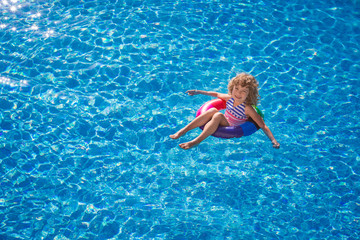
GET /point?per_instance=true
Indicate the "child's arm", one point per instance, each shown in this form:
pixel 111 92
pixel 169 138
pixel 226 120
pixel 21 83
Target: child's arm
pixel 250 111
pixel 208 93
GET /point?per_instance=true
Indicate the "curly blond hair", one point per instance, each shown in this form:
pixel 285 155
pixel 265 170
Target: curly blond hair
pixel 249 81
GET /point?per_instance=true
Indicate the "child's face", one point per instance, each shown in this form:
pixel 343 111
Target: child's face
pixel 240 93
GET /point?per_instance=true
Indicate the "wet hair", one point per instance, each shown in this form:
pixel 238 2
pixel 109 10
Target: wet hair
pixel 249 81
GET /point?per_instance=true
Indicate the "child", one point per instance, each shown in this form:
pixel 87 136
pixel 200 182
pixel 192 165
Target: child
pixel 243 92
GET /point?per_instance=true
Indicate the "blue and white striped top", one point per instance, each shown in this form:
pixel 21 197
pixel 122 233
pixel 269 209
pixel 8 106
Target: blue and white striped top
pixel 235 115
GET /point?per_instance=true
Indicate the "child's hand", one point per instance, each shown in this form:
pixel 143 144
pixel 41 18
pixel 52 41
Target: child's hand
pixel 192 92
pixel 275 144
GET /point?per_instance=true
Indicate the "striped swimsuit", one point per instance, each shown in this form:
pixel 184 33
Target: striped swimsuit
pixel 235 115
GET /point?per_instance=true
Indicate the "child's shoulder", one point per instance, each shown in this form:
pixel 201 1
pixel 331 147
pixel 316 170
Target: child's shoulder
pixel 224 96
pixel 249 108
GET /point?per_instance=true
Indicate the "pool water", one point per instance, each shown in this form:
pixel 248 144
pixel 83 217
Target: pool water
pixel 90 91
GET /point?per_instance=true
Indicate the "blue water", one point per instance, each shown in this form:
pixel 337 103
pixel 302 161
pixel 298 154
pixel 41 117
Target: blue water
pixel 90 91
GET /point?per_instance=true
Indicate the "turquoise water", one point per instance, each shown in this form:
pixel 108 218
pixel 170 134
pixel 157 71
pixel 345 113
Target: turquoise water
pixel 90 91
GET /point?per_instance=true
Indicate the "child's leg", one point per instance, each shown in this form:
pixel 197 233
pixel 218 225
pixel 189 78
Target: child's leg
pixel 217 120
pixel 197 122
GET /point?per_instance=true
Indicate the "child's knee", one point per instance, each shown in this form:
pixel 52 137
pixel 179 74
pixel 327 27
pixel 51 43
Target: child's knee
pixel 212 111
pixel 218 115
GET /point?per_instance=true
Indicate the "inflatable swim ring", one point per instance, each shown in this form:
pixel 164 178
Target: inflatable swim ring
pixel 245 129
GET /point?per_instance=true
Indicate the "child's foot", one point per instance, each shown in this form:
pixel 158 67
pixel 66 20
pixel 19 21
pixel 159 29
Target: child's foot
pixel 188 145
pixel 178 134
